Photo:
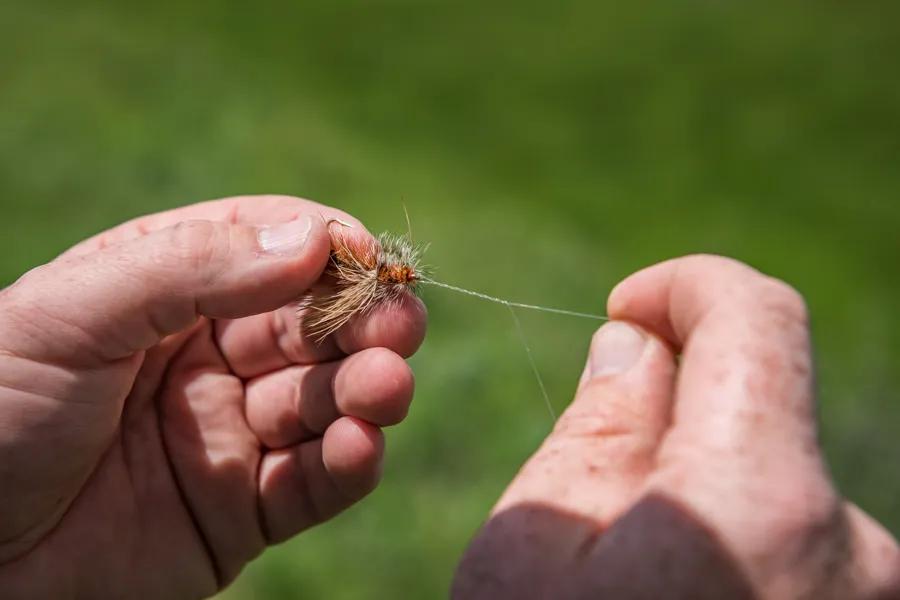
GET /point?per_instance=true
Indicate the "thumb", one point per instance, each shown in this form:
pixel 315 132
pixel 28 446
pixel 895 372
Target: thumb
pixel 585 475
pixel 604 444
pixel 125 298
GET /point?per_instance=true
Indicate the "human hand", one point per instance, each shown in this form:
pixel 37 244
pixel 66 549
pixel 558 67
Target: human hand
pixel 693 478
pixel 162 416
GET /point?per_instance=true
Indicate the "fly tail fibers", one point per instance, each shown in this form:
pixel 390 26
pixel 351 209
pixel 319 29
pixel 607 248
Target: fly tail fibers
pixel 364 274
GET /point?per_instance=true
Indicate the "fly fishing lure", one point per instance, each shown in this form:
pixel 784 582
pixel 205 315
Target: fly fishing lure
pixel 365 274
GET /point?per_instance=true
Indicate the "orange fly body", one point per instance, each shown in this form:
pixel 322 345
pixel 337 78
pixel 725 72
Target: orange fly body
pixel 402 274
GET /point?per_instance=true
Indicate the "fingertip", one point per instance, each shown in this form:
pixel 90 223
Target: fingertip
pixel 240 270
pixel 289 258
pixel 376 385
pixel 617 302
pixel 643 298
pixel 399 326
pixel 352 452
pixel 306 266
pixel 627 384
pixel 877 554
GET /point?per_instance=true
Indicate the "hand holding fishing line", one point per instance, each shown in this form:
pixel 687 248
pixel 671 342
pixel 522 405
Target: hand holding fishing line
pixel 693 478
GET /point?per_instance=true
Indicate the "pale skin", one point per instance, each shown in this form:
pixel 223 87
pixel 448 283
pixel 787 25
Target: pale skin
pixel 163 419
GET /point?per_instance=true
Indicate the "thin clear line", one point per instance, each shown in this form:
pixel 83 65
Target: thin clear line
pixel 559 311
pixel 537 374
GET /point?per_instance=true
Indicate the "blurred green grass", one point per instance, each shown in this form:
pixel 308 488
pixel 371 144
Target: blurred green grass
pixel 545 149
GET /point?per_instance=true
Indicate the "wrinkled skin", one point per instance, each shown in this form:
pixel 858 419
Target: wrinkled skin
pixel 700 477
pixel 162 416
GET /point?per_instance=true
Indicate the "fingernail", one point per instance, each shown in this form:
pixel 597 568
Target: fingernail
pixel 286 238
pixel 616 347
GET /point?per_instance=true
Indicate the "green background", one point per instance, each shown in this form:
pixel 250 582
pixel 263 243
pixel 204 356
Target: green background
pixel 545 149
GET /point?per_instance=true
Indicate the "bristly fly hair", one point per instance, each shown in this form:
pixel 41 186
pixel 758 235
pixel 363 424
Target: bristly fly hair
pixel 363 273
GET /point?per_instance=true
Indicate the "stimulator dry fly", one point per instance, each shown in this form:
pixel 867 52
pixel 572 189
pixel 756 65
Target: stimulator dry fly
pixel 365 274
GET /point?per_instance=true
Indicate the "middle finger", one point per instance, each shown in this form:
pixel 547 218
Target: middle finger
pixel 298 403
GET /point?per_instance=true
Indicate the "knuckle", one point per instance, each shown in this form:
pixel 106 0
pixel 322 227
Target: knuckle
pixel 18 299
pixel 706 260
pixel 783 300
pixel 803 511
pixel 748 287
pixel 23 282
pixel 746 283
pixel 703 264
pixel 34 287
pixel 795 508
pixel 202 246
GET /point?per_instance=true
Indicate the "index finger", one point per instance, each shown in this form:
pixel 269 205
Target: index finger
pixel 270 341
pixel 746 368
